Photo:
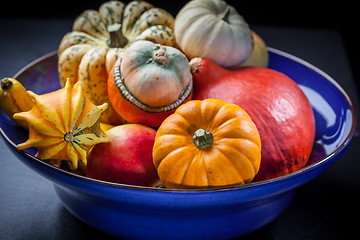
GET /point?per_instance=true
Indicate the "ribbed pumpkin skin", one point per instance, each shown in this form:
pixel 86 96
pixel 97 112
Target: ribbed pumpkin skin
pixel 214 30
pixel 276 104
pixel 86 55
pixel 63 125
pixel 149 82
pixel 233 158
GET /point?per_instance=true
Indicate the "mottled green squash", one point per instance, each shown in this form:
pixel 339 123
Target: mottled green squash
pixel 149 82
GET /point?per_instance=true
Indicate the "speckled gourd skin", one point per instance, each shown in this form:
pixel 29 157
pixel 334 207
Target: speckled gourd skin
pixel 85 55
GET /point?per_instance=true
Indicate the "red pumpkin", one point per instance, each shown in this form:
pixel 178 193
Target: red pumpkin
pixel 276 104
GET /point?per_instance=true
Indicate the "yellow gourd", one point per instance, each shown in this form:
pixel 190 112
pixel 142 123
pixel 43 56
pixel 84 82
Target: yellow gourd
pixel 14 99
pixel 63 125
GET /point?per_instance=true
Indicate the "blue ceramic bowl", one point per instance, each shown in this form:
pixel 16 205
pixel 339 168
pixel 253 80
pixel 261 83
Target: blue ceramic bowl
pixel 152 213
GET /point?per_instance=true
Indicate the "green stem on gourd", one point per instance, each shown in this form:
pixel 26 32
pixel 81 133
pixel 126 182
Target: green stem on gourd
pixel 225 15
pixel 202 139
pixel 6 83
pixel 116 39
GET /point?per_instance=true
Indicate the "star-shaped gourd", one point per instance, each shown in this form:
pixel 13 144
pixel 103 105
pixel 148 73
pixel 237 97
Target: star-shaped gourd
pixel 63 125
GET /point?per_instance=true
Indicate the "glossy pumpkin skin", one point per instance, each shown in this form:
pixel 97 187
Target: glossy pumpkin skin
pixel 185 160
pixel 214 30
pixel 98 38
pixel 276 104
pixel 149 82
pixel 63 126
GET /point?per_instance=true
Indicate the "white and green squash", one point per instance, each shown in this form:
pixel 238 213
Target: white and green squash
pixel 88 53
pixel 149 82
pixel 214 30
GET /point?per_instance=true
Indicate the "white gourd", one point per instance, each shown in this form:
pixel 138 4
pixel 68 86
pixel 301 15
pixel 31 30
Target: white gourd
pixel 214 30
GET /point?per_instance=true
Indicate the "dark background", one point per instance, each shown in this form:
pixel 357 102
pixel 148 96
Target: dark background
pixel 339 15
pixel 325 208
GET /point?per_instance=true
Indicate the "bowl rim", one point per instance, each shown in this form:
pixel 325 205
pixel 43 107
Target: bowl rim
pixel 224 188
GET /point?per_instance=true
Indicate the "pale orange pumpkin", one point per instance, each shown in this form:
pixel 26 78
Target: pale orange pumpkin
pixel 208 143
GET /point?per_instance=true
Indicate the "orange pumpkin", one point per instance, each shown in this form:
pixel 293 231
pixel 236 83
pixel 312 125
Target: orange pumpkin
pixel 207 143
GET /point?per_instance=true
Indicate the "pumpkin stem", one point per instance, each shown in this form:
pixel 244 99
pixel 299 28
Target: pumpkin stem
pixel 6 83
pixel 116 39
pixel 160 56
pixel 202 139
pixel 225 15
pixel 195 64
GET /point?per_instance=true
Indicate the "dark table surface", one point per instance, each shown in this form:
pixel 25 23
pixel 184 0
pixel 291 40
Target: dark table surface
pixel 325 208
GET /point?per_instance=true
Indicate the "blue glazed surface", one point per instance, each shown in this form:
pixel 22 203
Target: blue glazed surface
pixel 148 213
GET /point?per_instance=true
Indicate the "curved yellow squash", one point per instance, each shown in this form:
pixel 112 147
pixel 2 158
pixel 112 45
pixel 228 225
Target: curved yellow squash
pixel 14 99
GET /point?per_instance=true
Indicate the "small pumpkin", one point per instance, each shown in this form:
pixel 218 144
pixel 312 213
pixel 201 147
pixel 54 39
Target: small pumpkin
pixel 207 143
pixel 63 125
pixel 149 82
pixel 214 30
pixel 98 38
pixel 276 104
